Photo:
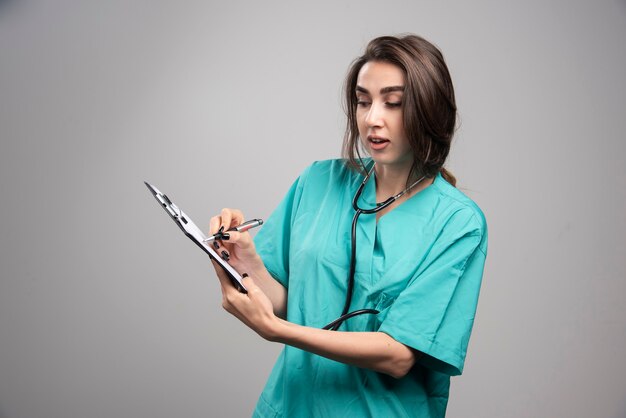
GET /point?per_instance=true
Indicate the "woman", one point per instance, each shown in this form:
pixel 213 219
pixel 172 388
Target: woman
pixel 418 261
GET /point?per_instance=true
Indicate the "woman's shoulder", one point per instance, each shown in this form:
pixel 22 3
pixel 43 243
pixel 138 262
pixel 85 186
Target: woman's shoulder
pixel 329 172
pixel 461 209
pixel 330 166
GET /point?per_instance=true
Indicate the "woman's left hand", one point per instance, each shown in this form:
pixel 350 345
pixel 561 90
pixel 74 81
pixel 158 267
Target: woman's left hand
pixel 253 309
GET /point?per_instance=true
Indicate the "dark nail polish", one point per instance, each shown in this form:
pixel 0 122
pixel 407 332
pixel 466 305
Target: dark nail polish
pixel 215 244
pixel 225 236
pixel 244 275
pixel 225 255
pixel 221 229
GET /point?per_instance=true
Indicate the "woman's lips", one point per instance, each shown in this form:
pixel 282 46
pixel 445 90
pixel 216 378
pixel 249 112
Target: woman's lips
pixel 377 143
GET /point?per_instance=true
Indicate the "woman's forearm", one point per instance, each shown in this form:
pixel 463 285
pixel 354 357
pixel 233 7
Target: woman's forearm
pixel 257 309
pixel 371 350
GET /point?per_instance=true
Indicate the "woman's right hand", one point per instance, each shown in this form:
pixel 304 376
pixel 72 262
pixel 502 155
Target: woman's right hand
pixel 242 254
pixel 243 257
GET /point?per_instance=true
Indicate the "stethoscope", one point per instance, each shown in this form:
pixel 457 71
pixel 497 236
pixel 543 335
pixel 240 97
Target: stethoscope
pixel 358 211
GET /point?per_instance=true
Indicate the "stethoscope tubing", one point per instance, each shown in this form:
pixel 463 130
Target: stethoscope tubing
pixel 334 325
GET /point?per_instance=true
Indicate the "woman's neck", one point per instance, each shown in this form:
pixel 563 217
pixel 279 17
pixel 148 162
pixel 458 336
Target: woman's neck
pixel 391 181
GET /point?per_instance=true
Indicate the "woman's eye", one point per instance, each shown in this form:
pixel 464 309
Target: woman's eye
pixel 394 104
pixel 362 103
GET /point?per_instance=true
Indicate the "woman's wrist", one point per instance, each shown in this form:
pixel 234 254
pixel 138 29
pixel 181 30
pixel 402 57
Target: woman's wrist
pixel 277 330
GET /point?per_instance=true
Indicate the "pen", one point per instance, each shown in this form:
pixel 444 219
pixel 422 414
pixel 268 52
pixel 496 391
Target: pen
pixel 239 228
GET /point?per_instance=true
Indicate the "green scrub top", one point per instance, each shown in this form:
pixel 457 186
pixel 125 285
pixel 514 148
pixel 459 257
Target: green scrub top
pixel 420 265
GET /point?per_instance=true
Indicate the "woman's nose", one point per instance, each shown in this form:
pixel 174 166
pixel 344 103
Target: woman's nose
pixel 374 116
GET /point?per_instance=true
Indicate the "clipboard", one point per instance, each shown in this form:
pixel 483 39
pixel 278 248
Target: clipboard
pixel 195 234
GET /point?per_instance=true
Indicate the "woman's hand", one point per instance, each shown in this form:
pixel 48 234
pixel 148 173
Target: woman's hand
pixel 242 254
pixel 253 309
pixel 243 257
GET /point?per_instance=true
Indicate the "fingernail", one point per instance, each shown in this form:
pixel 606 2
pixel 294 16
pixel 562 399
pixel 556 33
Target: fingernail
pixel 221 229
pixel 225 236
pixel 215 244
pixel 225 255
pixel 244 275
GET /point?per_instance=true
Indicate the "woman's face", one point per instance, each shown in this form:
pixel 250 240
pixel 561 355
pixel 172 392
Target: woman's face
pixel 379 91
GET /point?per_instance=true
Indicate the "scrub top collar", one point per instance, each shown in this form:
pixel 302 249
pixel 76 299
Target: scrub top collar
pixel 368 197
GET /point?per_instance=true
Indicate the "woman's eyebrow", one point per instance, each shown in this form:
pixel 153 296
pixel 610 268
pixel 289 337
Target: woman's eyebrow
pixel 384 90
pixel 390 89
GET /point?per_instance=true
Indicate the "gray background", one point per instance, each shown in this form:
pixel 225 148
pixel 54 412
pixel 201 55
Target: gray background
pixel 106 310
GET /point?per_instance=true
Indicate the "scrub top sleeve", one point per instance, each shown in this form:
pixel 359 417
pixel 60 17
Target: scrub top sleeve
pixel 273 239
pixel 435 313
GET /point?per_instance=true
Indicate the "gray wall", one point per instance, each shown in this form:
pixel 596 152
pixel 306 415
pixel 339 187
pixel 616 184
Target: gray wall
pixel 106 310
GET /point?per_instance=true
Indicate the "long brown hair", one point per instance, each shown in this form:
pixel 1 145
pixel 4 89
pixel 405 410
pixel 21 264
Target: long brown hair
pixel 428 105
